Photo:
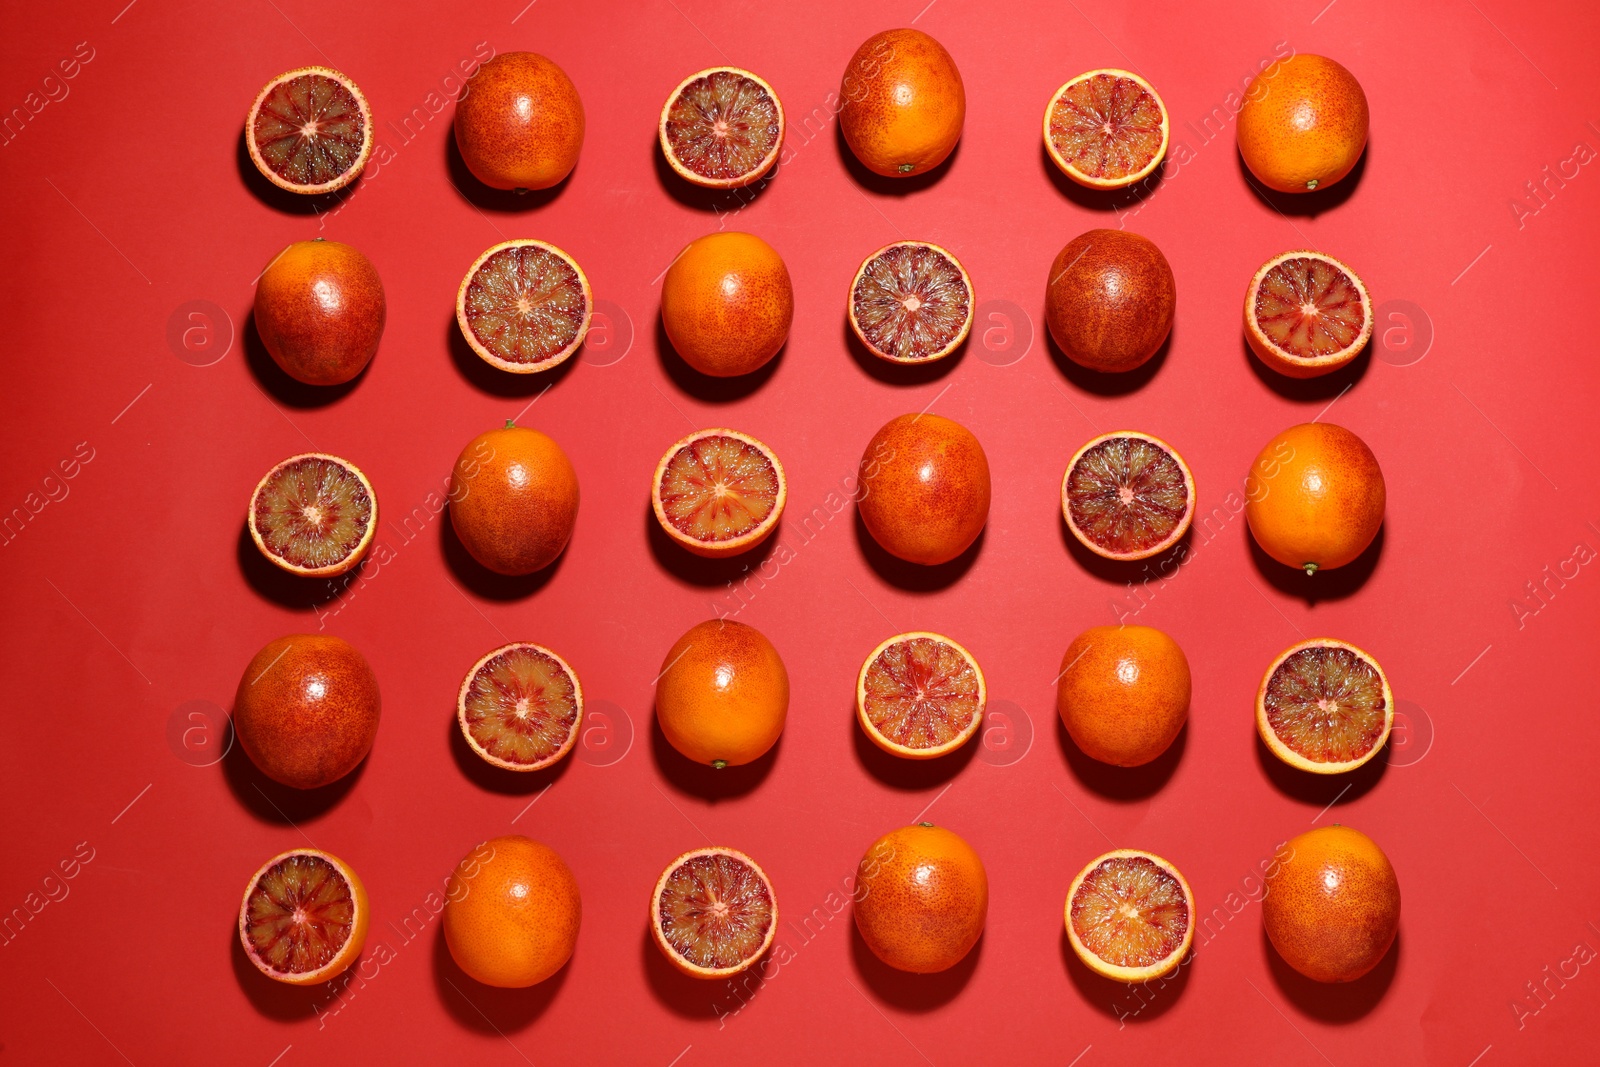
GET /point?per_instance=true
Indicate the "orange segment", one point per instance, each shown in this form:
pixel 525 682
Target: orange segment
pixel 1106 129
pixel 713 913
pixel 309 130
pixel 1130 916
pixel 520 707
pixel 722 128
pixel 911 302
pixel 718 492
pixel 524 306
pixel 313 514
pixel 1324 706
pixel 1306 314
pixel 1128 496
pixel 920 695
pixel 304 917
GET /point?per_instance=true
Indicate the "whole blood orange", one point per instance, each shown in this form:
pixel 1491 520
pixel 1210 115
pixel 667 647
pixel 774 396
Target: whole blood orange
pixel 723 694
pixel 1123 693
pixel 513 499
pixel 924 493
pixel 320 311
pixel 307 709
pixel 1332 907
pixel 512 912
pixel 1303 124
pixel 727 303
pixel 903 103
pixel 519 122
pixel 713 913
pixel 309 131
pixel 304 917
pixel 922 898
pixel 1315 497
pixel 1110 300
pixel 1130 916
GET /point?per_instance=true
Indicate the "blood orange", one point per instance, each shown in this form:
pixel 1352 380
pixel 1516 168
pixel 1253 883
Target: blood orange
pixel 713 912
pixel 1314 498
pixel 304 917
pixel 519 122
pixel 1130 916
pixel 514 499
pixel 903 103
pixel 1123 693
pixel 313 514
pixel 520 707
pixel 512 912
pixel 1306 314
pixel 719 492
pixel 309 130
pixel 1324 706
pixel 911 302
pixel 722 128
pixel 723 694
pixel 920 695
pixel 1332 907
pixel 1110 300
pixel 307 709
pixel 320 311
pixel 727 303
pixel 924 488
pixel 922 898
pixel 1303 125
pixel 524 306
pixel 1106 129
pixel 1128 495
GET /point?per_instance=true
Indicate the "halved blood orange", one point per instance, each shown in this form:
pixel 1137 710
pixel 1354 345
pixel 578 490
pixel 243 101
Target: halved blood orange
pixel 1127 495
pixel 1130 916
pixel 713 912
pixel 304 917
pixel 911 302
pixel 1324 706
pixel 920 695
pixel 722 128
pixel 1106 129
pixel 524 306
pixel 1306 314
pixel 719 492
pixel 309 130
pixel 520 707
pixel 313 514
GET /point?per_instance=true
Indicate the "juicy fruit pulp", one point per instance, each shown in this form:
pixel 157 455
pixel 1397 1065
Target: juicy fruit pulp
pixel 920 695
pixel 307 710
pixel 304 917
pixel 911 303
pixel 524 306
pixel 309 131
pixel 1106 129
pixel 718 492
pixel 520 707
pixel 1332 907
pixel 713 913
pixel 313 514
pixel 924 488
pixel 512 912
pixel 1130 916
pixel 513 500
pixel 1123 693
pixel 922 898
pixel 722 128
pixel 1314 497
pixel 1128 496
pixel 1306 314
pixel 1110 300
pixel 1303 124
pixel 320 311
pixel 727 303
pixel 1325 706
pixel 723 694
pixel 519 122
pixel 903 103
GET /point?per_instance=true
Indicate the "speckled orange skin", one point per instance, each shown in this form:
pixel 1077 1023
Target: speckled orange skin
pixel 320 311
pixel 1110 299
pixel 514 500
pixel 903 103
pixel 519 123
pixel 723 694
pixel 307 710
pixel 924 488
pixel 1303 125
pixel 1124 693
pixel 1315 496
pixel 727 303
pixel 922 897
pixel 1332 907
pixel 512 912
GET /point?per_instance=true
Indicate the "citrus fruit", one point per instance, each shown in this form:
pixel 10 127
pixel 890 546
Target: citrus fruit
pixel 902 103
pixel 911 302
pixel 307 709
pixel 524 306
pixel 1130 916
pixel 519 122
pixel 1128 495
pixel 320 311
pixel 520 707
pixel 722 128
pixel 713 913
pixel 513 499
pixel 309 130
pixel 511 912
pixel 723 694
pixel 920 695
pixel 727 303
pixel 924 492
pixel 1306 314
pixel 1324 706
pixel 1123 693
pixel 313 514
pixel 1106 129
pixel 1315 497
pixel 304 917
pixel 1110 300
pixel 1332 908
pixel 1303 124
pixel 922 897
pixel 718 492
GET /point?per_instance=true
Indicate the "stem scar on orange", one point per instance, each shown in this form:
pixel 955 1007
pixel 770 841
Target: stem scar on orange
pixel 723 694
pixel 1314 497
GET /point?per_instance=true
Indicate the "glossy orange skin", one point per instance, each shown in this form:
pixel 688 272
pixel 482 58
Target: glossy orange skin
pixel 307 710
pixel 1110 300
pixel 1332 907
pixel 1303 125
pixel 512 912
pixel 723 694
pixel 320 311
pixel 727 303
pixel 922 898
pixel 1315 496
pixel 519 123
pixel 924 488
pixel 514 500
pixel 1124 693
pixel 903 103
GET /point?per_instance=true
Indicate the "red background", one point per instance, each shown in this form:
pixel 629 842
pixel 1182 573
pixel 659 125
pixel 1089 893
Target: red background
pixel 130 595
